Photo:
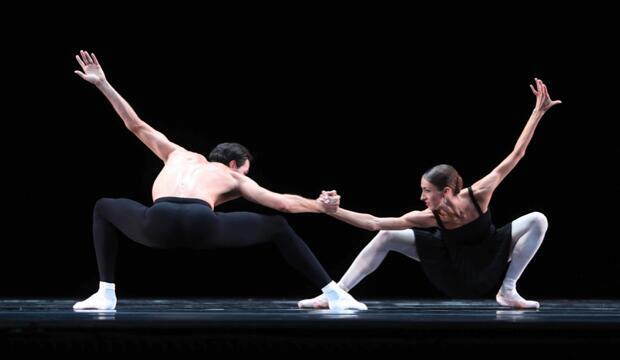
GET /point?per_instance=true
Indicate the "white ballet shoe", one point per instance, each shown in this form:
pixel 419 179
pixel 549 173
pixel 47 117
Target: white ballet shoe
pixel 514 300
pixel 319 302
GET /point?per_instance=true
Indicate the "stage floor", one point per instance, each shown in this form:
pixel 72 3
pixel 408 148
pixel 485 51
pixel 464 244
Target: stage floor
pixel 225 325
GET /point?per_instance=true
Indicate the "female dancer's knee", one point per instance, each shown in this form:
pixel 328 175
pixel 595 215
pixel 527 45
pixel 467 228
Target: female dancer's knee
pixel 539 221
pixel 384 239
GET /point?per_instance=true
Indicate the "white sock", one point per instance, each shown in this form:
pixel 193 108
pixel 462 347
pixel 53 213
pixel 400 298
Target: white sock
pixel 332 290
pixel 338 299
pixel 103 299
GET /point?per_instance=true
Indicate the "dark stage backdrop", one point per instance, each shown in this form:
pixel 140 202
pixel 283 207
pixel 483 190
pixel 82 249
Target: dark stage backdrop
pixel 364 110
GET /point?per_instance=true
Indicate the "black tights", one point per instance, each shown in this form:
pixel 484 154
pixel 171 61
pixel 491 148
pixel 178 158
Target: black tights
pixel 191 223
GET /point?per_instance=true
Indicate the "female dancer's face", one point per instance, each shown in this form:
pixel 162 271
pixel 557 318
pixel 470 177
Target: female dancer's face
pixel 431 196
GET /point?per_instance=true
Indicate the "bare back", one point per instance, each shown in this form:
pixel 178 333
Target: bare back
pixel 190 175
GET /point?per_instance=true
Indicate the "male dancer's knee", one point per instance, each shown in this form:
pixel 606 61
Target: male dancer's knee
pixel 280 227
pixel 103 205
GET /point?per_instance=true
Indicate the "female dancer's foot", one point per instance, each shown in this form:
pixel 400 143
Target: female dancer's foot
pixel 510 297
pixel 319 302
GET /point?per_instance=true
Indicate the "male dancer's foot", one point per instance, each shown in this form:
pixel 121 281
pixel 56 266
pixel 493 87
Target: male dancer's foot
pixel 104 299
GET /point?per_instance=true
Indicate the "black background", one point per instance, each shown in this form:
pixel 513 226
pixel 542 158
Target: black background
pixel 363 105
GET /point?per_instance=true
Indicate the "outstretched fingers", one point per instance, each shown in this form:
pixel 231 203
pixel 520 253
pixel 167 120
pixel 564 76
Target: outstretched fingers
pixel 79 60
pixel 87 55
